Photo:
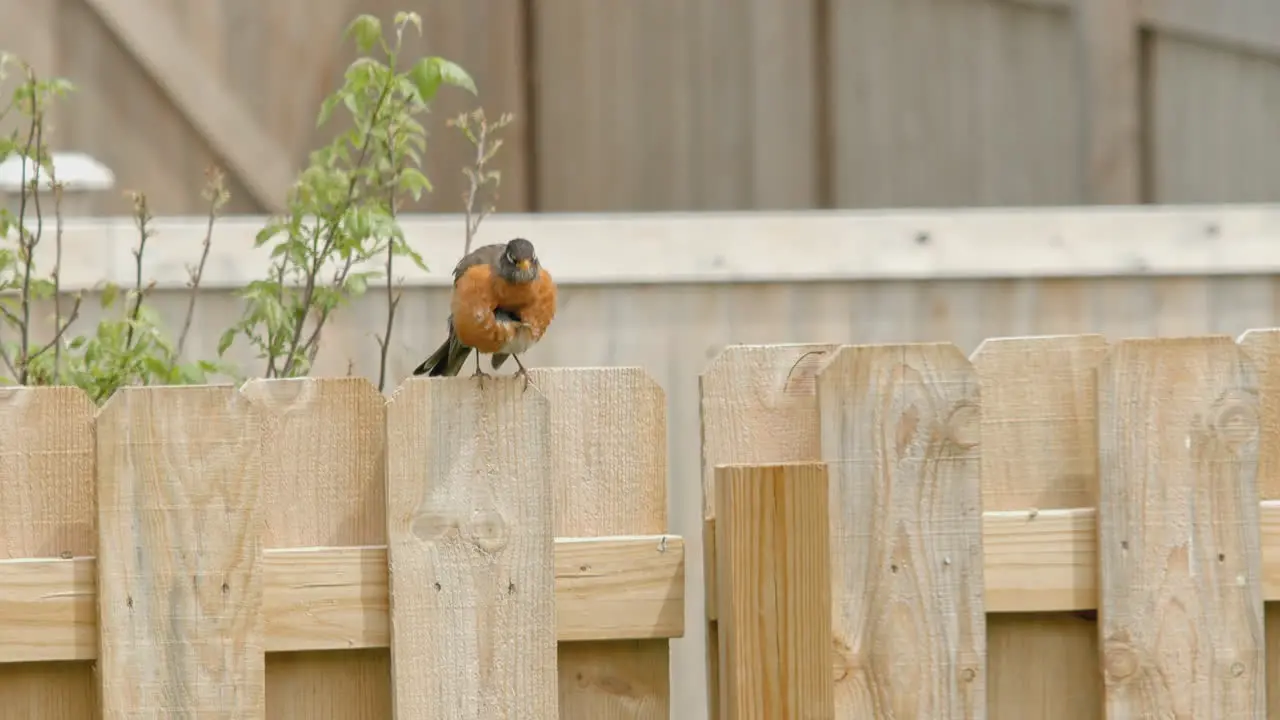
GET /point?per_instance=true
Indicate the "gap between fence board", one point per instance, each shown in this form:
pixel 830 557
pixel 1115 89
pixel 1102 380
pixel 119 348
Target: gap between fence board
pixel 335 598
pixel 1047 560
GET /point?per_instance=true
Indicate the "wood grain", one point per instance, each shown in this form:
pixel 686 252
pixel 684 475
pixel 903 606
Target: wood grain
pixel 1263 348
pixel 1039 461
pixel 323 487
pixel 1109 51
pixel 774 579
pixel 1181 621
pixel 179 558
pixel 609 454
pixel 469 525
pixel 900 435
pixel 47 511
pixel 757 404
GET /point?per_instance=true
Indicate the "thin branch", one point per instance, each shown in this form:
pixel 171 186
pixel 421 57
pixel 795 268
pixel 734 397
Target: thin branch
pixel 57 276
pixel 474 190
pixel 141 216
pixel 71 318
pixel 215 201
pixel 393 300
pixel 23 235
pixel 8 361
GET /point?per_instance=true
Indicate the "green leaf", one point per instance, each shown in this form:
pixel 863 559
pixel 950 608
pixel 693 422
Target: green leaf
pixel 403 17
pixel 414 182
pixel 430 72
pixel 453 74
pixel 367 30
pixel 225 341
pixel 109 294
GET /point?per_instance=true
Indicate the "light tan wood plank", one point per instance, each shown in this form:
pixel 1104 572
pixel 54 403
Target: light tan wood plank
pixel 47 510
pixel 469 524
pixel 180 571
pixel 607 588
pixel 1106 35
pixel 147 29
pixel 1182 616
pixel 1039 457
pixel 774 582
pixel 324 487
pixel 1262 345
pixel 757 405
pixel 1246 27
pixel 900 434
pixel 609 454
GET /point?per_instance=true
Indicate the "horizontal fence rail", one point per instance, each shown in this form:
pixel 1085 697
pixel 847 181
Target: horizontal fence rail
pixel 183 537
pixel 974 501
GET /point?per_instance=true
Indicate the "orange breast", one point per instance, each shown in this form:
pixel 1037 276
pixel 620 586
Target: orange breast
pixel 534 302
pixel 472 307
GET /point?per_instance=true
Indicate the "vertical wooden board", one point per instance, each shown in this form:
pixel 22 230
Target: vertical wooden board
pixel 469 529
pixel 179 553
pixel 1108 47
pixel 46 510
pixel 1180 600
pixel 1040 452
pixel 1213 110
pixel 737 131
pixel 936 103
pixel 774 575
pixel 608 449
pixel 324 486
pixel 758 405
pixel 900 434
pixel 1263 348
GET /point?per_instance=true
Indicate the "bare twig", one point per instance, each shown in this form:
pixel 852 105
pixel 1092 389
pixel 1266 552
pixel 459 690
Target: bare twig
pixel 217 194
pixel 393 300
pixel 71 318
pixel 57 278
pixel 486 147
pixel 141 217
pixel 26 240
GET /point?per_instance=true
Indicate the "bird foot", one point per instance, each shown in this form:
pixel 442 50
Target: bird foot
pixel 480 375
pixel 522 373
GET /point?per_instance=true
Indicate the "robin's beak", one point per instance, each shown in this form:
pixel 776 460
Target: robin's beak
pixel 523 264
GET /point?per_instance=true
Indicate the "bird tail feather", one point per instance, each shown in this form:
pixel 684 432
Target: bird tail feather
pixel 446 361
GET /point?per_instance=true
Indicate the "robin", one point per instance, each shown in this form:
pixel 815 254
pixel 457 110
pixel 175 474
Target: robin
pixel 503 302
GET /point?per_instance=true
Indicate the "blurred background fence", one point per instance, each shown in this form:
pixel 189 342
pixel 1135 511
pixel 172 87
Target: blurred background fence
pixel 699 104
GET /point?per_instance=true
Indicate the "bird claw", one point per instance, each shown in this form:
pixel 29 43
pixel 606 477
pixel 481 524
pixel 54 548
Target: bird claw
pixel 524 374
pixel 480 375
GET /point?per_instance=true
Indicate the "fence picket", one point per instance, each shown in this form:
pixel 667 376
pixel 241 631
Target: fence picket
pixel 179 554
pixel 472 585
pixel 1181 621
pixel 900 434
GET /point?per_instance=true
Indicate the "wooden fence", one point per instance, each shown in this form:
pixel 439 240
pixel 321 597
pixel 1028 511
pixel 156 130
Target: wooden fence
pixel 223 552
pixel 938 528
pixel 696 104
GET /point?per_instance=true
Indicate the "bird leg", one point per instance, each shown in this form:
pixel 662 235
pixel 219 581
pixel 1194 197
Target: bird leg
pixel 479 373
pixel 522 372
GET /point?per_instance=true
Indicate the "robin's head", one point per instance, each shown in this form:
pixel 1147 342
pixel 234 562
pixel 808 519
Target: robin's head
pixel 519 262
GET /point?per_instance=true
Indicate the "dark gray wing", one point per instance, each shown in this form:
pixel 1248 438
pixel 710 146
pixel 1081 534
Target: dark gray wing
pixel 485 254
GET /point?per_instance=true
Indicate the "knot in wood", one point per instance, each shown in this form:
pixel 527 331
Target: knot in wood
pixel 488 530
pixel 1120 661
pixel 1234 418
pixel 432 525
pixel 964 425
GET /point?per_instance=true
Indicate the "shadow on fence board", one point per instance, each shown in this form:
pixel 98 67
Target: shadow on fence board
pixel 310 548
pixel 980 508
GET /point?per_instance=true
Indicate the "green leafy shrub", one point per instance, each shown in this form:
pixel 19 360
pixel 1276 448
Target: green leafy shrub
pixel 341 213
